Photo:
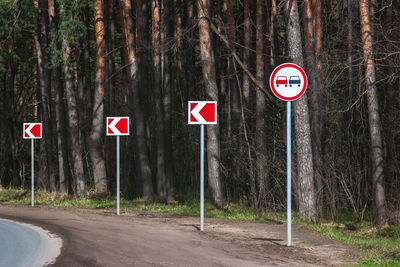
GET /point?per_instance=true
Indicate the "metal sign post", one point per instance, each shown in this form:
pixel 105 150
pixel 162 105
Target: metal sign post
pixel 202 112
pixel 117 126
pixel 32 173
pixel 32 130
pixel 202 177
pixel 289 171
pixel 288 82
pixel 118 173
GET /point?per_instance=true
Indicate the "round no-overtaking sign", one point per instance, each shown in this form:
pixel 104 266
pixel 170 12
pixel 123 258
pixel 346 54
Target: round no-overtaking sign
pixel 288 82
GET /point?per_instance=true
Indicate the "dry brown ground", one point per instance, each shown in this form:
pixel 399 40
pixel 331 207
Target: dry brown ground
pixel 100 238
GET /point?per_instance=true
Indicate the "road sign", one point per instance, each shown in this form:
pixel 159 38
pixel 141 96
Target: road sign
pixel 202 112
pixel 117 126
pixel 32 130
pixel 288 82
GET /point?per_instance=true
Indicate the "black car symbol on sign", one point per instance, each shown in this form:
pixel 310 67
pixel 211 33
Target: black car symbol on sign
pixel 294 80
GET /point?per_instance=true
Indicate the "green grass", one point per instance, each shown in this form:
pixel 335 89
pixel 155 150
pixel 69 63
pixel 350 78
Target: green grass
pixel 378 246
pixel 191 208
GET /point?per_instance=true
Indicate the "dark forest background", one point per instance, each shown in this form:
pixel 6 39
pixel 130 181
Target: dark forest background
pixel 71 63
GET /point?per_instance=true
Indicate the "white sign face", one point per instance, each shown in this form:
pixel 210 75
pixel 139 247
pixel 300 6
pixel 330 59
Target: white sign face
pixel 32 130
pixel 288 82
pixel 117 125
pixel 202 112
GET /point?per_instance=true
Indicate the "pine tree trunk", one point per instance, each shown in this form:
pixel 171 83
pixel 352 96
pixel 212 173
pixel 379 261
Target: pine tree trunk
pixel 261 170
pixel 46 178
pixel 246 50
pixel 373 116
pixel 63 166
pixel 210 83
pixel 314 91
pixel 142 161
pixel 307 201
pixel 179 41
pixel 166 80
pixel 73 119
pixel 191 60
pixel 234 94
pixel 159 113
pixel 95 146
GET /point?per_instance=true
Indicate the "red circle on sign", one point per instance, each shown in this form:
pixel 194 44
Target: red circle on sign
pixel 272 79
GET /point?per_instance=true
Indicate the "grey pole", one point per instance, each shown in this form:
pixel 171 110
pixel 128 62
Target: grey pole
pixel 32 173
pixel 118 175
pixel 289 172
pixel 202 177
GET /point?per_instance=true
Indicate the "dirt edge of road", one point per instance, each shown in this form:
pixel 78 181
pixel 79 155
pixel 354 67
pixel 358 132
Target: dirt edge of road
pixel 310 248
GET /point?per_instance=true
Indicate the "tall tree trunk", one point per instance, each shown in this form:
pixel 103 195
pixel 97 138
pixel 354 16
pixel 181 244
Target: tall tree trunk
pixel 166 80
pixel 274 33
pixel 95 146
pixel 46 178
pixel 159 113
pixel 191 60
pixel 73 118
pixel 351 14
pixel 179 40
pixel 234 93
pixel 142 161
pixel 111 53
pixel 373 116
pixel 314 91
pixel 261 149
pixel 63 168
pixel 307 201
pixel 208 64
pixel 246 50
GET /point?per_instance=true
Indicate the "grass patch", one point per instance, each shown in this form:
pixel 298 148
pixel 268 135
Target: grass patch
pixel 378 246
pixel 191 208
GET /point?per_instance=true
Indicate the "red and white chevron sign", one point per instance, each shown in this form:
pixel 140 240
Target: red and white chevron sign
pixel 117 125
pixel 202 112
pixel 32 130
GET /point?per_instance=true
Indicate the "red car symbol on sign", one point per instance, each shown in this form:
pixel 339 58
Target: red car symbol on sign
pixel 281 80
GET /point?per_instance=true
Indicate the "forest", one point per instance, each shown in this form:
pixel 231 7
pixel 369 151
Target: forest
pixel 71 63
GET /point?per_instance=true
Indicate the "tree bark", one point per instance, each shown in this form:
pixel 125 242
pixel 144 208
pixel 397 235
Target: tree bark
pixel 261 149
pixel 63 166
pixel 142 161
pixel 274 34
pixel 95 146
pixel 314 91
pixel 73 118
pixel 179 39
pixel 234 94
pixel 307 201
pixel 208 68
pixel 166 81
pixel 159 112
pixel 351 14
pixel 191 59
pixel 246 50
pixel 373 116
pixel 47 178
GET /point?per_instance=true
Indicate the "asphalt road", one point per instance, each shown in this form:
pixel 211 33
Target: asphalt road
pixel 25 245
